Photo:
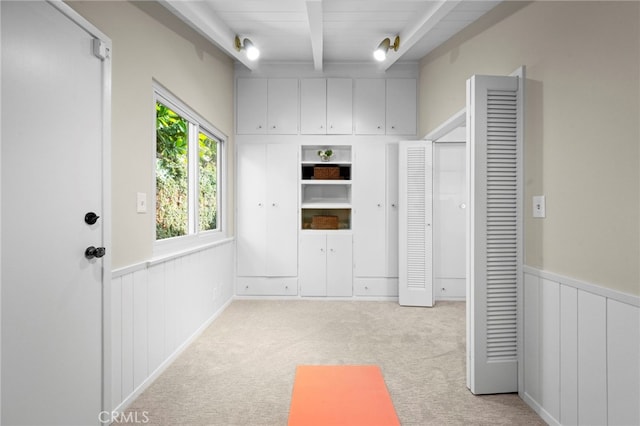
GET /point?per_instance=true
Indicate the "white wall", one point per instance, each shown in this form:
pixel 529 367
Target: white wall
pixel 581 125
pixel 581 351
pixel 157 309
pixel 150 43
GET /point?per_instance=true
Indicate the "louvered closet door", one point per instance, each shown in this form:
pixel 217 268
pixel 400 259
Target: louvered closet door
pixel 494 248
pixel 415 224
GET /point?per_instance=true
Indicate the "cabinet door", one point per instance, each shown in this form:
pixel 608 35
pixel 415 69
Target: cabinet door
pixel 401 106
pixel 313 264
pixel 251 216
pixel 282 210
pixel 251 103
pixel 370 106
pixel 339 106
pixel 392 210
pixel 282 110
pixel 369 204
pixel 339 265
pixel 313 106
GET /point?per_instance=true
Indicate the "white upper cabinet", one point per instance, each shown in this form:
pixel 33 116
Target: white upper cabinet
pixel 251 106
pixel 313 106
pixel 326 106
pixel 370 106
pixel 267 106
pixel 339 106
pixel 282 106
pixel 385 106
pixel 401 106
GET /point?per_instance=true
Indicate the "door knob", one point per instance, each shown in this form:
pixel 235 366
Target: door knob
pixel 91 218
pixel 92 252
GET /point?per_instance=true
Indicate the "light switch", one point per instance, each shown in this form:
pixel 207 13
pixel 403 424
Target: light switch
pixel 539 208
pixel 141 202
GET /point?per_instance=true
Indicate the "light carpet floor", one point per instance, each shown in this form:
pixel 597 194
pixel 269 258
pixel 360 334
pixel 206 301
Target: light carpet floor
pixel 241 370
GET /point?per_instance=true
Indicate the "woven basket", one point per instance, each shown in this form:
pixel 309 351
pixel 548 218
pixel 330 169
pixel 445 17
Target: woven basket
pixel 326 173
pixel 324 222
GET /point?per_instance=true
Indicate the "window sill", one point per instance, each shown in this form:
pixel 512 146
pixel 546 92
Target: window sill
pixel 178 250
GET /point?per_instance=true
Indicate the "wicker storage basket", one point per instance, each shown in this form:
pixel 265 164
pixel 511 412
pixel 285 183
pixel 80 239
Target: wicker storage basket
pixel 326 172
pixel 324 222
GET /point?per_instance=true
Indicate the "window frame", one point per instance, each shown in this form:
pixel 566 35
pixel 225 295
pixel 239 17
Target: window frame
pixel 197 125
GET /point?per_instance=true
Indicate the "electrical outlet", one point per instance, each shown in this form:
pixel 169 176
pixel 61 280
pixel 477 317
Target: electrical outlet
pixel 539 207
pixel 141 202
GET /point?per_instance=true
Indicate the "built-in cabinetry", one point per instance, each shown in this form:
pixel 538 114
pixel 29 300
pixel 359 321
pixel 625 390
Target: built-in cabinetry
pixel 310 226
pixel 375 205
pixel 326 106
pixel 267 209
pixel 385 106
pixel 326 265
pixel 267 106
pixel 332 106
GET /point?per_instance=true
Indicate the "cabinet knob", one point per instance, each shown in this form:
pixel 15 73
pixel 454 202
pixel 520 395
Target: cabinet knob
pixel 322 250
pixel 331 250
pixel 259 204
pixel 259 126
pixel 393 127
pixel 321 126
pixel 379 205
pixel 274 204
pixel 273 127
pixel 393 205
pixel 379 127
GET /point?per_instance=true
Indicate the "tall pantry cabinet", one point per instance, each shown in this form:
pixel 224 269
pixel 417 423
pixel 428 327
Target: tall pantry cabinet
pixel 267 206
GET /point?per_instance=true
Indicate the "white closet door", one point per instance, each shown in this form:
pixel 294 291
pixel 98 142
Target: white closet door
pixel 494 246
pixel 415 228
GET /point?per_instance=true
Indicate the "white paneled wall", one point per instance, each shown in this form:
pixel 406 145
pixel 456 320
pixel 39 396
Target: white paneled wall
pixel 158 308
pixel 581 351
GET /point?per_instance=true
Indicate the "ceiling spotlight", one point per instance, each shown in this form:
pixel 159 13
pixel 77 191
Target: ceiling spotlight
pixel 247 46
pixel 381 52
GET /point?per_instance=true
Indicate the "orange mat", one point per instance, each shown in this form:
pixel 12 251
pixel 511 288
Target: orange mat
pixel 330 395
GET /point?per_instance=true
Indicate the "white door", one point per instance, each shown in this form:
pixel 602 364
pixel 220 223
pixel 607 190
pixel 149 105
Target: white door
pixel 282 210
pixel 313 106
pixel 313 264
pixel 369 106
pixel 415 277
pixel 369 215
pixel 392 209
pixel 494 236
pixel 339 106
pixel 449 219
pixel 401 106
pixel 339 265
pixel 52 176
pixel 251 101
pixel 251 210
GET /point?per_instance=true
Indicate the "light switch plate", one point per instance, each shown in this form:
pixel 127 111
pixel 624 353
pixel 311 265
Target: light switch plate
pixel 539 207
pixel 141 202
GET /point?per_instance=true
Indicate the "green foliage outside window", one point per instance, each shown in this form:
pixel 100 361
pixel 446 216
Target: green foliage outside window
pixel 172 176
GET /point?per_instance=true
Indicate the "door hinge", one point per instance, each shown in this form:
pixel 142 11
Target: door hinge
pixel 100 49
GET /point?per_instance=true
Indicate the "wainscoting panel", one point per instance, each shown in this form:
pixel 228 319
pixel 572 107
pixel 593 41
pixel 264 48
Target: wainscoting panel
pixel 158 308
pixel 581 351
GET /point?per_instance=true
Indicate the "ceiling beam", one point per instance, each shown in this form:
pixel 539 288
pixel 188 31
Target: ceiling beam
pixel 202 19
pixel 419 28
pixel 314 14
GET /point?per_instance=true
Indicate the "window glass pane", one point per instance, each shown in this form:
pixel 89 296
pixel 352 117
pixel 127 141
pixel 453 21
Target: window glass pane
pixel 208 175
pixel 172 173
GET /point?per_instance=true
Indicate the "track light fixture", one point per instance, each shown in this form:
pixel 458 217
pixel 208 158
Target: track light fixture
pixel 381 52
pixel 248 46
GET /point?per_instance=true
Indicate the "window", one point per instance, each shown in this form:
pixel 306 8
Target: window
pixel 187 172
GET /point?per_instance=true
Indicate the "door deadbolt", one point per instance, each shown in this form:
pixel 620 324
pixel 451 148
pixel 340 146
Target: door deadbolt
pixel 91 218
pixel 92 252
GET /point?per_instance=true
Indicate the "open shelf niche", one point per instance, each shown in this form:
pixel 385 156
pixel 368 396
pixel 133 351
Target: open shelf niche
pixel 325 188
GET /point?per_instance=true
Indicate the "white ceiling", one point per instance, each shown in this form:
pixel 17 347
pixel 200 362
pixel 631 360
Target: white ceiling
pixel 329 31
